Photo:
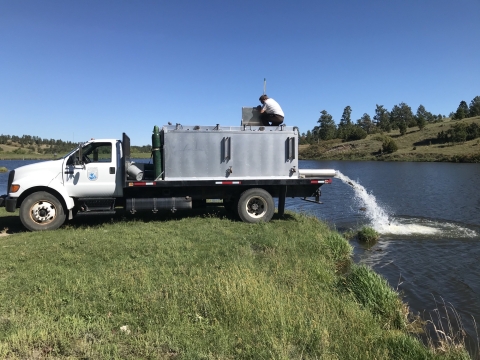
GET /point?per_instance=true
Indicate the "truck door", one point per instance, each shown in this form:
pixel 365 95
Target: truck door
pixel 95 173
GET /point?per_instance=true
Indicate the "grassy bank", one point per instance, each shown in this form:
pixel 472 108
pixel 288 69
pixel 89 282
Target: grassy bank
pixel 195 286
pixel 415 145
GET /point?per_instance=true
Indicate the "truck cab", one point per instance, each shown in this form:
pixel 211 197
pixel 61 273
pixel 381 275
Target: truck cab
pixel 51 190
pixel 94 169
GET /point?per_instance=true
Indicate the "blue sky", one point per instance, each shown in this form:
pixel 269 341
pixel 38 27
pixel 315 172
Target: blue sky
pixel 74 70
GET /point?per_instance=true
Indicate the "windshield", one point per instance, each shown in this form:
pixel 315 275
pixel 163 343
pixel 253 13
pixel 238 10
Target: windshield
pixel 71 152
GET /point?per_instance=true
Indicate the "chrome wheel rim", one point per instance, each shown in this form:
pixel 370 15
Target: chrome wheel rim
pixel 43 212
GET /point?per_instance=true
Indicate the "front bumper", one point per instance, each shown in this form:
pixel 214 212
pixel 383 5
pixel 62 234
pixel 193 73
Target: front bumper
pixel 9 203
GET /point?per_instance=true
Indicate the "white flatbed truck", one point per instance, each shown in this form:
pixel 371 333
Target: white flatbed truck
pixel 242 168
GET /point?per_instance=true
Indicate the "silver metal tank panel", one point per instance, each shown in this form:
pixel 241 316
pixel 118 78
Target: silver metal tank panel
pixel 236 152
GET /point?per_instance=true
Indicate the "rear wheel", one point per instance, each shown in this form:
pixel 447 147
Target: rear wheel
pixel 42 211
pixel 255 205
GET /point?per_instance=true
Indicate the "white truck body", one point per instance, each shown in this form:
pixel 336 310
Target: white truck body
pixel 245 167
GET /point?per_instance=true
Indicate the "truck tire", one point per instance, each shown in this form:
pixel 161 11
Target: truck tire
pixel 42 211
pixel 255 205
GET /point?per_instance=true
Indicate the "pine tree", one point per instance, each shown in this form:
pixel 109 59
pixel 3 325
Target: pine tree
pixel 382 119
pixel 327 128
pixel 474 109
pixel 462 111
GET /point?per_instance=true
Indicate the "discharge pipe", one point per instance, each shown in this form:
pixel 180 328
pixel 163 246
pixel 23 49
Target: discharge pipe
pixel 157 156
pixel 317 172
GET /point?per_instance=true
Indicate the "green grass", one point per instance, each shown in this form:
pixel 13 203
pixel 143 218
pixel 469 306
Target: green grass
pixel 194 286
pixel 368 235
pixel 140 155
pixel 373 291
pixel 3 169
pixel 415 145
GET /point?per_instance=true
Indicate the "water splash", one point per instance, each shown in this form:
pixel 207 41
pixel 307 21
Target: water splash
pixel 378 216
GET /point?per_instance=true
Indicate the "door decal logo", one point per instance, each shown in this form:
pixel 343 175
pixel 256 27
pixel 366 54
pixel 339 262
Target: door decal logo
pixel 92 174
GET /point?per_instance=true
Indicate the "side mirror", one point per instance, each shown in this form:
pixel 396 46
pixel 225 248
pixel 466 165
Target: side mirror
pixel 78 156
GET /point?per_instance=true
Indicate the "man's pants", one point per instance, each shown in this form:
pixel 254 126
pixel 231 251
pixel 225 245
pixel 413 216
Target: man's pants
pixel 271 119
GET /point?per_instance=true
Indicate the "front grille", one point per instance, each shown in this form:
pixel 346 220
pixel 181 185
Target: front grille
pixel 10 180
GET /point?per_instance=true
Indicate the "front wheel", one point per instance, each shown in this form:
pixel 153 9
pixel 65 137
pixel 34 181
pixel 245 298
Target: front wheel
pixel 255 205
pixel 42 211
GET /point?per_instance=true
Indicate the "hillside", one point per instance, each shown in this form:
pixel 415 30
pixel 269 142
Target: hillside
pixel 415 145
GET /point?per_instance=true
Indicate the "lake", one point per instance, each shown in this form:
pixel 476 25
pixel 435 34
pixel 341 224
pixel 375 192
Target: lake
pixel 430 248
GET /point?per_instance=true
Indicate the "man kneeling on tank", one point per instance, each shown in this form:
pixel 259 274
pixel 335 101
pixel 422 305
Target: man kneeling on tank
pixel 271 114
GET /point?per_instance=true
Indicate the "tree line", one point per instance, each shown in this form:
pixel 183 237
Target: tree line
pixel 465 111
pixel 400 117
pixel 28 143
